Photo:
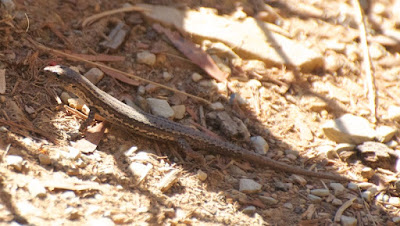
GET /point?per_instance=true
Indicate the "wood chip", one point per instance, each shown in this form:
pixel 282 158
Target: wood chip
pixel 170 179
pixel 2 81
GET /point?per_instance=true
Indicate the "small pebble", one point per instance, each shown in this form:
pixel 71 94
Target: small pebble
pixel 73 153
pixel 36 188
pixel 68 195
pixel 249 186
pixel 288 205
pixel 396 219
pixel 179 111
pixel 217 106
pixel 320 192
pixel 201 175
pixel 365 185
pixel 141 90
pixel 299 179
pixel 249 210
pixel 94 75
pixel 146 57
pixel 348 221
pixel 338 188
pixel 260 144
pixel 337 202
pixel 394 201
pixel 291 157
pixel 208 84
pixel 9 5
pixel 167 76
pixel 381 197
pixel 393 113
pixel 352 186
pixel 367 196
pixel 254 83
pixel 314 198
pixel 367 172
pixel 160 107
pixel 385 133
pixel 44 159
pixel 327 151
pixel 196 77
pixel 268 200
pixel 14 161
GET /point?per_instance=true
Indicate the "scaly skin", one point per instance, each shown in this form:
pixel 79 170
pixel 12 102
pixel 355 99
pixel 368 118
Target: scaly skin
pixel 154 127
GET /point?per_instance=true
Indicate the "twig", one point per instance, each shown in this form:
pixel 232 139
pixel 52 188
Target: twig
pixel 95 17
pixel 73 57
pixel 370 79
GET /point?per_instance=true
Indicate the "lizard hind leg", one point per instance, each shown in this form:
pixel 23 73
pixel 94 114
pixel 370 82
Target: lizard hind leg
pixel 89 120
pixel 185 146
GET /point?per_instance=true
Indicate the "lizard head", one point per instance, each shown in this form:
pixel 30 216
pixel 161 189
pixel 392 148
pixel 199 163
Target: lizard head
pixel 65 74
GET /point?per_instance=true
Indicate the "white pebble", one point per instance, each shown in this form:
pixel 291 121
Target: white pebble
pixel 196 77
pixel 14 161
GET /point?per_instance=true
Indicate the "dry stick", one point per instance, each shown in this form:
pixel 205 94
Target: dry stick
pixel 370 79
pixel 57 52
pixel 95 17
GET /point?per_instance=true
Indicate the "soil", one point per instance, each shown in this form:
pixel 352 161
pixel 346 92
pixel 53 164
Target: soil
pixel 98 186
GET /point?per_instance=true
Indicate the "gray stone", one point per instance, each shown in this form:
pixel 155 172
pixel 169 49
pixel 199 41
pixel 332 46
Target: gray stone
pixel 249 186
pixel 320 192
pixel 146 57
pixel 352 186
pixel 338 188
pixel 260 144
pixel 314 198
pixel 377 155
pixel 349 129
pixel 94 75
pixel 160 107
pixel 249 210
pixel 9 5
pixel 385 133
pixel 116 37
pixel 141 90
pixel 268 200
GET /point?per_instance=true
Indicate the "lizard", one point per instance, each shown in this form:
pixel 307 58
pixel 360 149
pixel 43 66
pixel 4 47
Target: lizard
pixel 157 127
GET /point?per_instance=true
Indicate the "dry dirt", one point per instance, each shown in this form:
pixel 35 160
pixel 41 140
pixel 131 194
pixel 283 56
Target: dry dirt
pixel 99 186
